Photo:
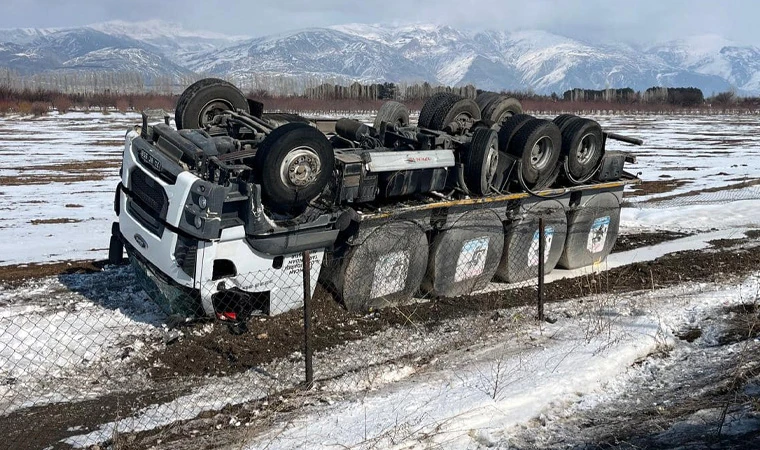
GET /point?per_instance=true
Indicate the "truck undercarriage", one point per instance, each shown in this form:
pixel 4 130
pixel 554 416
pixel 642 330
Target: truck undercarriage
pixel 217 213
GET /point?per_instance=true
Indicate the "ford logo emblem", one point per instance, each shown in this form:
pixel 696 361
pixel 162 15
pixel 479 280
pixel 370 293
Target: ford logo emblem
pixel 140 241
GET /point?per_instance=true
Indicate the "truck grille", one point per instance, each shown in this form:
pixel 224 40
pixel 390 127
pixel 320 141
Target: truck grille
pixel 149 193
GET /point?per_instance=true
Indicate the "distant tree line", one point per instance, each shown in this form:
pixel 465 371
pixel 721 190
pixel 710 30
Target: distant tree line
pixel 684 97
pixel 384 91
pixel 126 91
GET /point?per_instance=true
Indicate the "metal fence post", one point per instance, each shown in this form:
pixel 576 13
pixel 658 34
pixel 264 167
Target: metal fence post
pixel 307 318
pixel 541 251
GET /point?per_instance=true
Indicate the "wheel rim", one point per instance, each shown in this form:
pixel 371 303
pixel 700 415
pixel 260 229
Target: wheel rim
pixel 492 163
pixel 541 153
pixel 211 109
pixel 586 148
pixel 300 167
pixel 504 117
pixel 463 120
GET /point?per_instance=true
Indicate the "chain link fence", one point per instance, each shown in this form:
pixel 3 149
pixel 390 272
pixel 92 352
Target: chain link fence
pixel 123 358
pixel 124 353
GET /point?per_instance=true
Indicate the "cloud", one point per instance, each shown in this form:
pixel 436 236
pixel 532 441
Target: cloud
pixel 613 20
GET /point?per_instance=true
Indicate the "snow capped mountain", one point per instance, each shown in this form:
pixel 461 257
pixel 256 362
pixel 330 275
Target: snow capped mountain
pixel 320 52
pixel 546 62
pixel 120 60
pixel 713 55
pixel 524 60
pixel 177 43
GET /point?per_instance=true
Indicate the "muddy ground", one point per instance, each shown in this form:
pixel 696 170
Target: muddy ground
pixel 221 353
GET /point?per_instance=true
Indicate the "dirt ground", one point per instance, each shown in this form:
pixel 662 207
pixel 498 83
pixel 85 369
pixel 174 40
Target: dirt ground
pixel 221 353
pixel 627 242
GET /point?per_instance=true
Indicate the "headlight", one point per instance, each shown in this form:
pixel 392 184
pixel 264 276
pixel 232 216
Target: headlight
pixel 202 202
pixel 198 222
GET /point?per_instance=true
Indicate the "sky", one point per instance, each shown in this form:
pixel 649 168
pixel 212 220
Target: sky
pixel 591 20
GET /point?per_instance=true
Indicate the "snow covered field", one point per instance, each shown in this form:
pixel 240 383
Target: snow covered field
pixel 79 352
pixel 58 175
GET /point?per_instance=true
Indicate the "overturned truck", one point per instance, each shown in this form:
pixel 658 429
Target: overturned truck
pixel 217 214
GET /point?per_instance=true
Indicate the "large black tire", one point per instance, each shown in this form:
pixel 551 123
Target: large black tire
pixel 502 108
pixel 537 145
pixel 455 109
pixel 393 113
pixel 430 107
pixel 203 99
pixel 582 149
pixel 563 120
pixel 384 267
pixel 294 164
pixel 464 257
pixel 510 127
pixel 592 230
pixel 279 119
pixel 484 99
pixel 481 161
pixel 519 262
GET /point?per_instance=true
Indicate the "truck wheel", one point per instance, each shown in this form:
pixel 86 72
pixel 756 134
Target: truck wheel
pixel 484 99
pixel 430 107
pixel 582 148
pixel 519 262
pixel 384 269
pixel 502 108
pixel 456 114
pixel 294 164
pixel 279 119
pixel 464 258
pixel 564 120
pixel 537 144
pixel 592 230
pixel 510 127
pixel 202 100
pixel 393 113
pixel 482 161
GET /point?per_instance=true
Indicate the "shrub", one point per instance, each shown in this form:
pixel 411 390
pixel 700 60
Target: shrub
pixel 122 105
pixel 62 103
pixel 40 109
pixel 24 107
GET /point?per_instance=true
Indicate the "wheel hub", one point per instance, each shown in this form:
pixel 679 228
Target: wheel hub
pixel 541 152
pixel 586 148
pixel 462 122
pixel 492 164
pixel 211 109
pixel 300 167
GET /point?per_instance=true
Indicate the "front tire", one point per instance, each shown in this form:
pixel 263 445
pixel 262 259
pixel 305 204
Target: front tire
pixel 294 164
pixel 393 113
pixel 204 99
pixel 455 114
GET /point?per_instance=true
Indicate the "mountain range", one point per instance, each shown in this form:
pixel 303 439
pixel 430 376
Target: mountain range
pixel 523 60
